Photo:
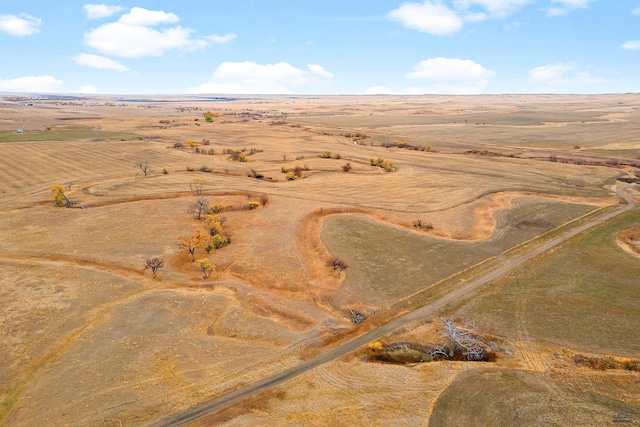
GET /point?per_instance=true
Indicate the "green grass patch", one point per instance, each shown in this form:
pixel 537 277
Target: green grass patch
pixel 585 294
pixel 520 398
pixel 387 264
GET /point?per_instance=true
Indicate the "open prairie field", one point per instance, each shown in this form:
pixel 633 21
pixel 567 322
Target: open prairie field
pixel 316 210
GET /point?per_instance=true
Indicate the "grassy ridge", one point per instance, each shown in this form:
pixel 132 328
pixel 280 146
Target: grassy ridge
pixel 388 264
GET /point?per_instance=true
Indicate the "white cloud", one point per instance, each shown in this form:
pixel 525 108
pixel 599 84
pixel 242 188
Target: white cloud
pixel 31 84
pixel 573 3
pixel 475 17
pixel 435 17
pixel 449 69
pixel 456 88
pixel 556 11
pixel 551 72
pixel 319 71
pixel 378 90
pixel 567 6
pixel 495 8
pixel 222 39
pixel 552 77
pixel 99 62
pixel 432 18
pixel 250 77
pixel 23 25
pixel 88 89
pixel 636 11
pixel 632 45
pixel 145 18
pixel 98 11
pixel 132 36
pixel 451 76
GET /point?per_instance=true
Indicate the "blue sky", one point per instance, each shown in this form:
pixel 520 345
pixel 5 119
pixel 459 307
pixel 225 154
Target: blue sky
pixel 321 47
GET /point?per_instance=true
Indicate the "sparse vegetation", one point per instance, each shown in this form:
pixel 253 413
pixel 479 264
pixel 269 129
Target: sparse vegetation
pixel 89 328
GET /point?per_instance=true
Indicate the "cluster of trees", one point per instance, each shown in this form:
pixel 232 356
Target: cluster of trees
pixel 461 342
pixel 329 155
pixel 355 135
pixel 384 164
pixel 294 173
pixel 405 144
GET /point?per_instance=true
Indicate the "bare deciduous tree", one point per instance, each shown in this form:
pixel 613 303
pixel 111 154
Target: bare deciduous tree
pixel 143 166
pixel 465 338
pixel 154 264
pixel 339 265
pixel 199 208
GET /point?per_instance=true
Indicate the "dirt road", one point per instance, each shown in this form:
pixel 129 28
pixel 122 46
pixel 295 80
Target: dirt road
pixel 419 314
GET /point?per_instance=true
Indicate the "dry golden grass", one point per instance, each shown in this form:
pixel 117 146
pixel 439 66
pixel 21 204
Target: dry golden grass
pixel 92 339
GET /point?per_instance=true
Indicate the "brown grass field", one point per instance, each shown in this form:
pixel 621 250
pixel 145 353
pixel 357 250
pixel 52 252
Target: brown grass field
pixel 88 336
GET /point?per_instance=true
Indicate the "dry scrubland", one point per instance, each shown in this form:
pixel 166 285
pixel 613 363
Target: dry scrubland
pixel 88 337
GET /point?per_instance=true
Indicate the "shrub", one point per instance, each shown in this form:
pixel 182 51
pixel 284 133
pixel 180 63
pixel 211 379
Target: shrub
pixel 208 118
pixel 190 169
pixel 205 169
pixel 218 241
pixel 291 176
pixel 325 155
pixel 346 167
pixel 254 205
pixel 284 169
pixel 165 171
pixel 216 209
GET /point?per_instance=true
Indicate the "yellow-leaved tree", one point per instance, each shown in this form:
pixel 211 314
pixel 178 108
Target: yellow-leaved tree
pixel 59 198
pixel 193 242
pixel 206 267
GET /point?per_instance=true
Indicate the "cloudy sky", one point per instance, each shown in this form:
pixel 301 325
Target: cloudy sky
pixel 321 46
